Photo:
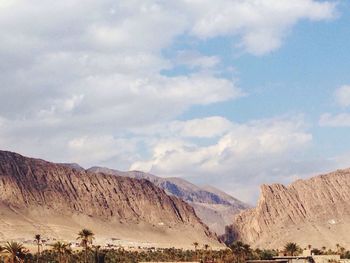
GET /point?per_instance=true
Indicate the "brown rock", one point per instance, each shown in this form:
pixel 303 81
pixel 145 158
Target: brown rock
pixel 59 199
pixel 314 211
pixel 214 207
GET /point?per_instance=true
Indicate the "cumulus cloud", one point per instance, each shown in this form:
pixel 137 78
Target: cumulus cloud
pixel 260 150
pixel 101 150
pixel 101 57
pixel 193 59
pixel 261 25
pixel 86 76
pixel 342 96
pixel 335 120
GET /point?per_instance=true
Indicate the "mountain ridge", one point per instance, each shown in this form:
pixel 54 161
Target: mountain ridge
pixel 312 211
pixel 59 200
pixel 215 208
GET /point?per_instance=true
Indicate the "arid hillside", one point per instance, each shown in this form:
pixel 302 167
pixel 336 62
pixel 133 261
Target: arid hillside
pixel 314 211
pixel 57 200
pixel 214 207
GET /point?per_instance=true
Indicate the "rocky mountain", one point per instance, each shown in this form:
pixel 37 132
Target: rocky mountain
pixel 314 211
pixel 57 200
pixel 215 208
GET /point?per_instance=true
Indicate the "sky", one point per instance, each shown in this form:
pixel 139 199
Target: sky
pixel 227 93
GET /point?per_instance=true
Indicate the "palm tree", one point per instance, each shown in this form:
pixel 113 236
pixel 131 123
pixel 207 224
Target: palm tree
pixel 342 251
pixel 1 250
pixel 196 244
pixel 237 248
pixel 61 249
pixel 338 246
pixel 37 239
pixel 100 256
pixel 86 236
pixel 15 250
pixel 291 248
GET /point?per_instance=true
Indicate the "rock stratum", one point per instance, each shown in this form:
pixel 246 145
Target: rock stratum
pixel 58 200
pixel 214 207
pixel 314 211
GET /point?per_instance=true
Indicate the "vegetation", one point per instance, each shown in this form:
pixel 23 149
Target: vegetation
pixel 61 252
pixel 15 251
pixel 37 239
pixel 85 236
pixel 241 250
pixel 292 249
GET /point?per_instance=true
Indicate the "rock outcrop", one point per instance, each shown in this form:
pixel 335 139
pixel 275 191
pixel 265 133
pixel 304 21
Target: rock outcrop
pixel 214 207
pixel 314 211
pixel 59 199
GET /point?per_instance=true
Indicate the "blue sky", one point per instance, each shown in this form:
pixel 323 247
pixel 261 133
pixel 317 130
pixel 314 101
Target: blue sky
pixel 228 93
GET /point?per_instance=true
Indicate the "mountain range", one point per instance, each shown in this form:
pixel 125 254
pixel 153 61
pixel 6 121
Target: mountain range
pixel 214 207
pixel 314 211
pixel 136 208
pixel 58 200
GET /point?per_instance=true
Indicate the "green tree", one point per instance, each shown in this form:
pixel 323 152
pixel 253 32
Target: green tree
pixel 85 236
pixel 62 250
pixel 37 239
pixel 291 249
pixel 1 251
pixel 15 250
pixel 316 251
pixel 346 255
pixel 267 254
pixel 240 250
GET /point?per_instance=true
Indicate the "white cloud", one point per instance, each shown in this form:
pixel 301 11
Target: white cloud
pixel 194 59
pixel 337 120
pixel 51 52
pixel 342 96
pixel 85 76
pixel 261 24
pixel 245 154
pixel 255 139
pixel 101 150
pixel 202 128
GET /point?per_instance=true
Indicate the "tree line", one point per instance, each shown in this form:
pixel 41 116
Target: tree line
pixel 62 252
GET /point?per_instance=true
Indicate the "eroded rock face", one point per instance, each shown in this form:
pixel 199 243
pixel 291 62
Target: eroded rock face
pixel 28 185
pixel 314 211
pixel 214 207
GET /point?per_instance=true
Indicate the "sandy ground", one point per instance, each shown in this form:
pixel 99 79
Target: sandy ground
pixel 22 226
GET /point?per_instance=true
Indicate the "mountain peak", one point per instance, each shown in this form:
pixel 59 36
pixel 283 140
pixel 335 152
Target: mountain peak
pixel 57 200
pixel 300 212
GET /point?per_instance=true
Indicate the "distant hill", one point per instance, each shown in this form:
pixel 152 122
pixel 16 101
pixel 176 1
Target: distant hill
pixel 58 200
pixel 314 211
pixel 214 207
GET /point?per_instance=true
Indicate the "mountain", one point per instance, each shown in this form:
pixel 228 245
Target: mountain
pixel 214 207
pixel 314 211
pixel 58 200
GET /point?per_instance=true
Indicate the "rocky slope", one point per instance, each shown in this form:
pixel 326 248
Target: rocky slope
pixel 214 207
pixel 314 211
pixel 57 200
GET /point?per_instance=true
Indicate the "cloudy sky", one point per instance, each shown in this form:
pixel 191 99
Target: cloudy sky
pixel 230 93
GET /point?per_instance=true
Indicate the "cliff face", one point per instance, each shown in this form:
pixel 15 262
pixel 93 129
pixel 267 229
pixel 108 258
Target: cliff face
pixel 31 188
pixel 314 211
pixel 214 207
